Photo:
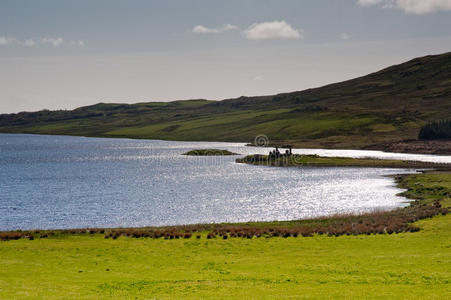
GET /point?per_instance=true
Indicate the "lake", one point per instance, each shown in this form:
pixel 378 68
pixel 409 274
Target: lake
pixel 72 182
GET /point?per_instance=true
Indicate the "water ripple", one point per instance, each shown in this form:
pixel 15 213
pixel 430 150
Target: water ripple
pixel 67 182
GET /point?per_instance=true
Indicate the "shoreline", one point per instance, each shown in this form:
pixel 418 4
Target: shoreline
pixel 283 266
pixel 396 220
pixel 291 161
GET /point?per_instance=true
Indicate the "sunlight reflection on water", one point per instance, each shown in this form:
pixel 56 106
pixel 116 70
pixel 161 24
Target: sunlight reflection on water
pixel 67 182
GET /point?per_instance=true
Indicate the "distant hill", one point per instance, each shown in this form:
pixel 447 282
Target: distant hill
pixel 373 111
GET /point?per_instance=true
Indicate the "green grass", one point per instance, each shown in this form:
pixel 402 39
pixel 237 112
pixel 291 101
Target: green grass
pixel 397 266
pixel 427 187
pixel 404 266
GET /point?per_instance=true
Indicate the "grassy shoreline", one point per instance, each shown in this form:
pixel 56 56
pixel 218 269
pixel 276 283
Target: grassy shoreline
pixel 297 160
pixel 379 222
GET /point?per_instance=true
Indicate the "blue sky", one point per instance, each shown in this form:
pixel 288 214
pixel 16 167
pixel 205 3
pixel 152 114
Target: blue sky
pixel 62 54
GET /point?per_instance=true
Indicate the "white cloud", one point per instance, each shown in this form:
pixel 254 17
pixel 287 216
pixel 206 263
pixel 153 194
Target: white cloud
pixel 29 43
pixel 200 29
pixel 345 36
pixel 79 43
pixel 230 27
pixel 369 2
pixel 5 41
pixel 54 42
pixel 272 30
pixel 411 6
pixel 257 78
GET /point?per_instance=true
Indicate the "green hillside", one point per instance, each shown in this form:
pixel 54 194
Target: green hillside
pixel 387 106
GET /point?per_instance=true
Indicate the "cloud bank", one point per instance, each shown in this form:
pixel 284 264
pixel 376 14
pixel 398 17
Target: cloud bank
pixel 272 30
pixel 411 6
pixel 257 31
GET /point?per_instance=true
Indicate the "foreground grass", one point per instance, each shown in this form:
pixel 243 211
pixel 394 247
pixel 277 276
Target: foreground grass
pixel 408 265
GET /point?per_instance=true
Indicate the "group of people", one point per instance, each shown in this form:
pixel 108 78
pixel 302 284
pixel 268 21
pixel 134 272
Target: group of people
pixel 276 153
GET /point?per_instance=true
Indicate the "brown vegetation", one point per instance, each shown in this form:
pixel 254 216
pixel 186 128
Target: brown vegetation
pixel 396 221
pixel 439 147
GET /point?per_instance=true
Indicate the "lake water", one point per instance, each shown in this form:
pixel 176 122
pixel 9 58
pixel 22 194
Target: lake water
pixel 70 182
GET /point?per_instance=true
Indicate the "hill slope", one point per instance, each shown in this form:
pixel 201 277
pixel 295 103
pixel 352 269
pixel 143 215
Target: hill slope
pixel 372 111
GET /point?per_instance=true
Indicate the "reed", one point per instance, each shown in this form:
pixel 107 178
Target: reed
pixel 385 222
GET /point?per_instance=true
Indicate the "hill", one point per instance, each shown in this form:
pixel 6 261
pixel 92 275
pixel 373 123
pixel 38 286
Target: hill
pixel 382 110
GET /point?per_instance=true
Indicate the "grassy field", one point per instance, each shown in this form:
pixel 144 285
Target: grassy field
pixel 404 266
pixel 373 111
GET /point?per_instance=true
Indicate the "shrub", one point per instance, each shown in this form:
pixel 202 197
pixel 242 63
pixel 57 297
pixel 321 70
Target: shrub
pixel 11 235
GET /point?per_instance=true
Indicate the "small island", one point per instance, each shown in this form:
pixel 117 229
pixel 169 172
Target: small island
pixel 209 152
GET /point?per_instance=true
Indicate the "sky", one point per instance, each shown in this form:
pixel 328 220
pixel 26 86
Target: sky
pixel 62 54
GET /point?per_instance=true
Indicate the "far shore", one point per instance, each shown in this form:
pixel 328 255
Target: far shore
pixel 432 147
pixel 411 146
